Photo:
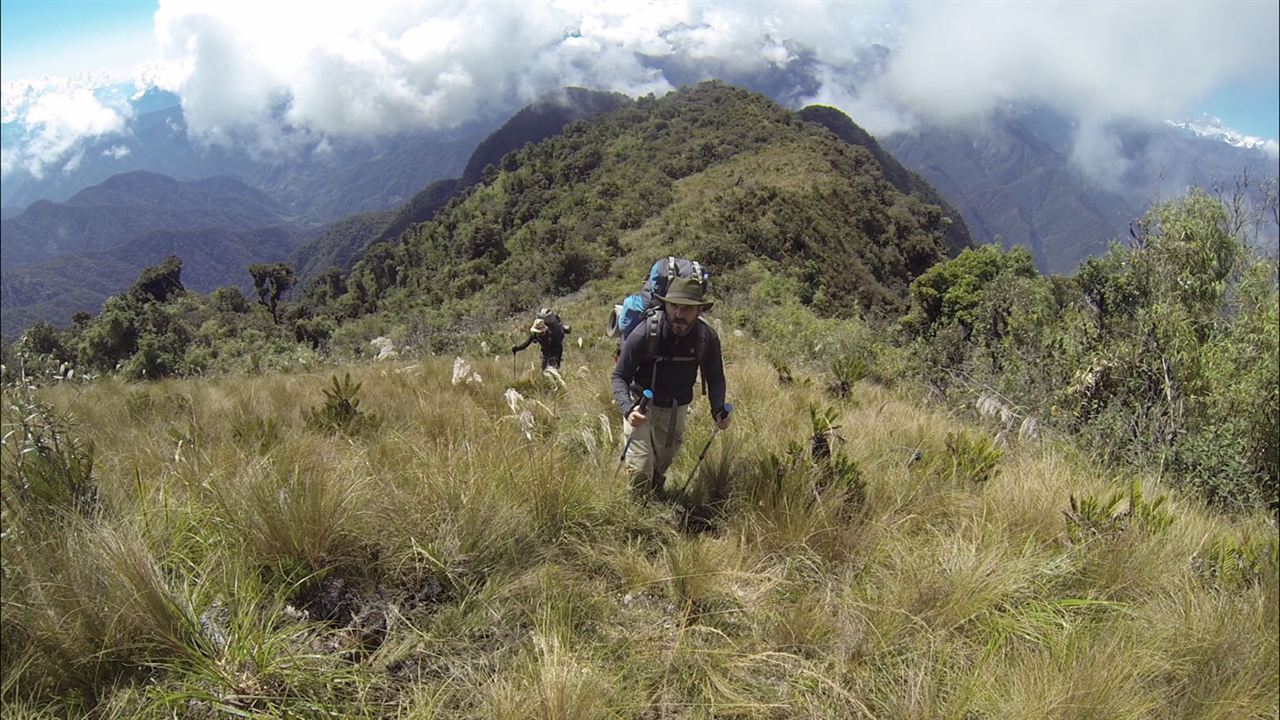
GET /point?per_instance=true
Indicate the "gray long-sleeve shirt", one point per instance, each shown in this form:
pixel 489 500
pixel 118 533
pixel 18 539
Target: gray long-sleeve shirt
pixel 674 380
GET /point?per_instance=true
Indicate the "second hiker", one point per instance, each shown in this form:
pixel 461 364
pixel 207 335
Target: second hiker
pixel 664 354
pixel 548 331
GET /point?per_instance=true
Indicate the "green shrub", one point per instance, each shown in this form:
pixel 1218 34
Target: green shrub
pixel 340 412
pixel 46 467
pixel 1091 517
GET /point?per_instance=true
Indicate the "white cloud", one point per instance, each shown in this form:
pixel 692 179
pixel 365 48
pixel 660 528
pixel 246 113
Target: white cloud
pixel 116 152
pixel 1104 59
pixel 57 117
pixel 284 75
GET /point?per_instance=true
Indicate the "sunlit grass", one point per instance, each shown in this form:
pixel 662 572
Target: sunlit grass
pixel 476 555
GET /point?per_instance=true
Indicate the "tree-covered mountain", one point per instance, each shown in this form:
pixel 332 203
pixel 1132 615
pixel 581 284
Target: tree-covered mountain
pixel 342 244
pixel 712 171
pixel 213 257
pixel 537 122
pixel 903 179
pixel 127 206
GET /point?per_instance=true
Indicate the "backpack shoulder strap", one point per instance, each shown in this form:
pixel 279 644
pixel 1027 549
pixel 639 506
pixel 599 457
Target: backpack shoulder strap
pixel 700 342
pixel 653 331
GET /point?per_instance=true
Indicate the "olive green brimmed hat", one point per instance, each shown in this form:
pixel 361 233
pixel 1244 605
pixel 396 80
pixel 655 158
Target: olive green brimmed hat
pixel 687 291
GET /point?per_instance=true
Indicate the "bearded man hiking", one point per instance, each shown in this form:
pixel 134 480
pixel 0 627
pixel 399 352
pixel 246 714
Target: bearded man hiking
pixel 664 355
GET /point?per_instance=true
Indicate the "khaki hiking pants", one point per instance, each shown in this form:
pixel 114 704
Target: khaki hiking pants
pixel 654 447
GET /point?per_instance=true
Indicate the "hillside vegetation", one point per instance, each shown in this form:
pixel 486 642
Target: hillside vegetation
pixel 711 170
pixel 413 540
pixel 954 487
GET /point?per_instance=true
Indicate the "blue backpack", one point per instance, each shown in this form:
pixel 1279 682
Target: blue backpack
pixel 628 315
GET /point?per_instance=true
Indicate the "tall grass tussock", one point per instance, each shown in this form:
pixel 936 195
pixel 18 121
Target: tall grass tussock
pixel 402 540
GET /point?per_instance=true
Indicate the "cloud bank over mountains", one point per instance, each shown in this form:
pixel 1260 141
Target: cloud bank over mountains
pixel 283 76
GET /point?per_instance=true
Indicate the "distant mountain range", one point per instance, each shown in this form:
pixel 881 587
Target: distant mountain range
pixel 128 205
pixel 219 226
pixel 318 183
pixel 1013 180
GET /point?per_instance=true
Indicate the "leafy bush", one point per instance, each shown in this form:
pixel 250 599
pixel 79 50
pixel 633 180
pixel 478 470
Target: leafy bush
pixel 46 467
pixel 1162 352
pixel 340 412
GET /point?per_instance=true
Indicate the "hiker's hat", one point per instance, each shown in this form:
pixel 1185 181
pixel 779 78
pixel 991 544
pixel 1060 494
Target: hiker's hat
pixel 538 327
pixel 687 291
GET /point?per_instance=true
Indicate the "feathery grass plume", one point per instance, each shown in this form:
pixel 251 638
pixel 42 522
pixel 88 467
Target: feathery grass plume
pixel 462 373
pixel 555 377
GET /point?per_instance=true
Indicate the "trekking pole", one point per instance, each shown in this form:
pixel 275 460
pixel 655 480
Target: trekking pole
pixel 640 405
pixel 728 407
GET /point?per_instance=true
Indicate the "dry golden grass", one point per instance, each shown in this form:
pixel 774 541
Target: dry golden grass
pixel 469 555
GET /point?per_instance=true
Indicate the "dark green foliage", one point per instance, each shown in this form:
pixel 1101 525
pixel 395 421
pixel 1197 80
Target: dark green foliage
pixel 111 338
pixel 846 370
pixel 340 412
pixel 971 457
pixel 1232 562
pixel 156 356
pixel 254 433
pixel 313 331
pixel 1164 352
pixel 229 299
pixel 824 433
pixel 272 281
pixel 341 244
pixel 45 339
pixel 970 292
pixel 158 283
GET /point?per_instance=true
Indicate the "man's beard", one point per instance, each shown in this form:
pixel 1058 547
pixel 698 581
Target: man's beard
pixel 681 326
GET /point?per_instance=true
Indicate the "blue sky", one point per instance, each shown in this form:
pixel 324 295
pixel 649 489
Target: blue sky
pixel 61 37
pixel 1096 60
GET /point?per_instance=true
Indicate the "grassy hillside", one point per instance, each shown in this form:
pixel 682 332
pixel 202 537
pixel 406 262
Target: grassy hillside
pixel 456 552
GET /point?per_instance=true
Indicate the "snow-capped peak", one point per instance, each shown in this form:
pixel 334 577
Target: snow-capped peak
pixel 1208 126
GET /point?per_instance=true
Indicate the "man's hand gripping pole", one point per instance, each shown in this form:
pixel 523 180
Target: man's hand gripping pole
pixel 641 405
